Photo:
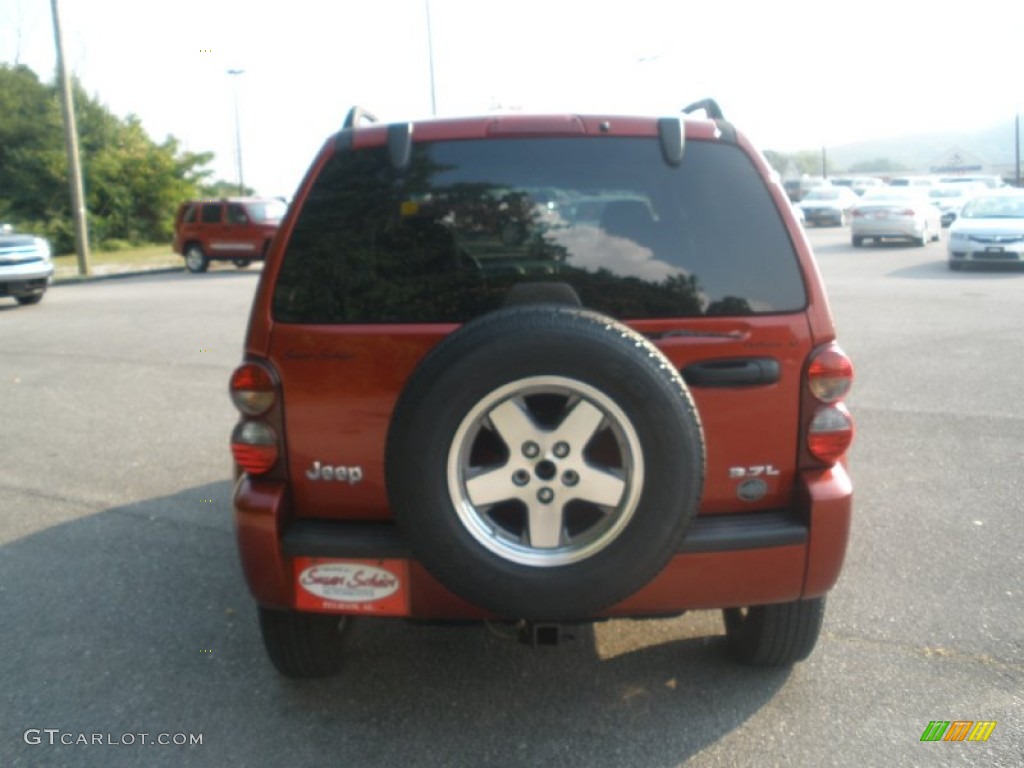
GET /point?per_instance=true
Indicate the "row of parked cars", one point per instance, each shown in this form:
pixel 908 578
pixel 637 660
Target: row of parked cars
pixel 985 217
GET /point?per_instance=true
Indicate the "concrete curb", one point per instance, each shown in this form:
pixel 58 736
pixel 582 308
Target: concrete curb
pixel 78 280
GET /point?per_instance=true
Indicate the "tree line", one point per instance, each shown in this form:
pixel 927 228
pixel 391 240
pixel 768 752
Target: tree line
pixel 808 162
pixel 132 184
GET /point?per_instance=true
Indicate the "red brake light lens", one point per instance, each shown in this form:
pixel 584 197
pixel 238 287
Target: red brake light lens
pixel 252 389
pixel 254 446
pixel 830 426
pixel 830 433
pixel 830 374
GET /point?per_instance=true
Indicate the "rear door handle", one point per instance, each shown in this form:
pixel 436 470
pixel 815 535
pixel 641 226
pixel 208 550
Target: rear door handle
pixel 732 372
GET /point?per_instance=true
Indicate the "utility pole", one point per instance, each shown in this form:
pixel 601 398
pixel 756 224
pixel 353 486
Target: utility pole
pixel 824 164
pixel 238 131
pixel 71 140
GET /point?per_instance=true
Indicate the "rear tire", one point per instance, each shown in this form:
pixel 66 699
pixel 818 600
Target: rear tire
pixel 35 298
pixel 241 263
pixel 857 241
pixel 774 635
pixel 303 645
pixel 923 239
pixel 956 266
pixel 195 259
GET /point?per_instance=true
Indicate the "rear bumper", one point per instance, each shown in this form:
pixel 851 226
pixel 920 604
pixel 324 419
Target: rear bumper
pixel 895 227
pixel 724 561
pixel 824 216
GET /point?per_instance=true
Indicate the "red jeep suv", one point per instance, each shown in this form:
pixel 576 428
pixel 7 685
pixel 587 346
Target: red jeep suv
pixel 238 229
pixel 540 370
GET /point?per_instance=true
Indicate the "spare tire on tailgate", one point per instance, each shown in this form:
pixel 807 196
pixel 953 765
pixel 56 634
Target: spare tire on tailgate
pixel 544 462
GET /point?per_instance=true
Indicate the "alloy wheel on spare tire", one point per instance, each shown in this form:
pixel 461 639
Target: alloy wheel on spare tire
pixel 544 462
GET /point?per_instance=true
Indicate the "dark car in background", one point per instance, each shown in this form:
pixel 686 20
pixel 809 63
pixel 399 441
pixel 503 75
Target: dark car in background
pixel 829 205
pixel 236 229
pixel 25 266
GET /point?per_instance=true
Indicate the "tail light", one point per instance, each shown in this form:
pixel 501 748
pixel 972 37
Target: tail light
pixel 254 442
pixel 830 427
pixel 252 389
pixel 254 446
pixel 857 213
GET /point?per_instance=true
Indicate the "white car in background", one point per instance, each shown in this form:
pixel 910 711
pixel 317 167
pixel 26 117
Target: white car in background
pixel 895 212
pixel 914 182
pixel 989 230
pixel 988 180
pixel 950 198
pixel 862 184
pixel 25 266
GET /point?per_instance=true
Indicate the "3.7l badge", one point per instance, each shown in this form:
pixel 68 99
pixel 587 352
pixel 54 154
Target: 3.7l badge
pixel 757 470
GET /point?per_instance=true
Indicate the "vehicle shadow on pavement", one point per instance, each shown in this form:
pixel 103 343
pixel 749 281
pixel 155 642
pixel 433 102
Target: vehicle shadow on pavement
pixel 137 620
pixel 939 270
pixel 7 304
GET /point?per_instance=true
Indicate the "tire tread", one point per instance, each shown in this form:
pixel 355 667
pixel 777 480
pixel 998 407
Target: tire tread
pixel 303 645
pixel 775 635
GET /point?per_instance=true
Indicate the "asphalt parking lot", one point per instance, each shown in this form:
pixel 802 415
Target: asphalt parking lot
pixel 125 611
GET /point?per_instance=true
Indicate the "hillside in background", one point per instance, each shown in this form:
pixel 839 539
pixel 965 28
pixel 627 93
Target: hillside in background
pixel 994 146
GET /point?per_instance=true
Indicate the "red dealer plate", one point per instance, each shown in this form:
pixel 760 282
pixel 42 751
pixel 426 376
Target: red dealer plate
pixel 327 585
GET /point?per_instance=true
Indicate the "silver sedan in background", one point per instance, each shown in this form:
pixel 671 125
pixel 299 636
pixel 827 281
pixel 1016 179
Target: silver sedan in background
pixel 828 205
pixel 989 230
pixel 903 213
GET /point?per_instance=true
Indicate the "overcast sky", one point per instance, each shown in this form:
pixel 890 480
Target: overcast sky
pixel 791 74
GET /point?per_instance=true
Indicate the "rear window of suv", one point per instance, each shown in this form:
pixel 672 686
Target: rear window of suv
pixel 444 239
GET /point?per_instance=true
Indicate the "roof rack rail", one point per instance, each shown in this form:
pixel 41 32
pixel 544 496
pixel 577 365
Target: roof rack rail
pixel 710 107
pixel 357 114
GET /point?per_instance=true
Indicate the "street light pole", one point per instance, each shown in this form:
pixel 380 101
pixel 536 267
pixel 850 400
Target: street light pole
pixel 71 140
pixel 1016 145
pixel 430 53
pixel 238 131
